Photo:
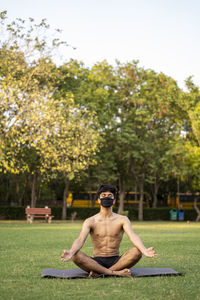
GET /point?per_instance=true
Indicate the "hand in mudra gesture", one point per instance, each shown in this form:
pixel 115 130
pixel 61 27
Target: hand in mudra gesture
pixel 150 252
pixel 66 255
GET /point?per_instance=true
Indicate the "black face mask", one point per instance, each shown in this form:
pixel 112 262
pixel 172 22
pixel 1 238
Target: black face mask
pixel 106 201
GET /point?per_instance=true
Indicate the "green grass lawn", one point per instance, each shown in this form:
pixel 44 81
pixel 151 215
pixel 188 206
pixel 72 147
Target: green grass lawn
pixel 26 249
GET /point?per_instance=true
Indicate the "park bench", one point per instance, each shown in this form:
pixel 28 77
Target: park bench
pixel 32 212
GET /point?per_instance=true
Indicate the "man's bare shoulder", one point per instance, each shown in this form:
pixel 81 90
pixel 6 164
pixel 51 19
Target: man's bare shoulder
pixel 121 218
pixel 91 220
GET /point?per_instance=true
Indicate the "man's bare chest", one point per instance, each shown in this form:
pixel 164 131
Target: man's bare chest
pixel 106 229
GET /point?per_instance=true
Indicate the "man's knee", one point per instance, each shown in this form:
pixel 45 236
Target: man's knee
pixel 77 258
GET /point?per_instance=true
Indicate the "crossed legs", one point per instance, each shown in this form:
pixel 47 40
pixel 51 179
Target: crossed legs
pixel 127 260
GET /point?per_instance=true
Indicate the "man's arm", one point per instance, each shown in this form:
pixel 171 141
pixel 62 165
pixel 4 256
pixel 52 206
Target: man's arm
pixel 136 240
pixel 78 243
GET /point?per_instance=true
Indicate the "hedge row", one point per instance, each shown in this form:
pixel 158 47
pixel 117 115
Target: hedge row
pixel 150 214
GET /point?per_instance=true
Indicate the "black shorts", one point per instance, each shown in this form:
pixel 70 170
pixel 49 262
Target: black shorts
pixel 106 262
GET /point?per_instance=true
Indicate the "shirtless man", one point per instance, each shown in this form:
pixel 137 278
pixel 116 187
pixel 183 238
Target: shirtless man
pixel 106 230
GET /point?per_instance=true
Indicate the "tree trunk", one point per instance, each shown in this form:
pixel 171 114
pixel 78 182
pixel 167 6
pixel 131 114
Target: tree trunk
pixel 33 192
pixel 65 194
pixel 20 194
pixel 8 189
pixel 121 195
pixel 155 193
pixel 18 190
pixel 38 190
pixel 136 197
pixel 197 209
pixel 140 210
pixel 92 200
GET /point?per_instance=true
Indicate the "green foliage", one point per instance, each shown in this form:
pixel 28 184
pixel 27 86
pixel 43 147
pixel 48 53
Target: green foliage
pixel 150 214
pixel 12 213
pixel 40 135
pixel 190 103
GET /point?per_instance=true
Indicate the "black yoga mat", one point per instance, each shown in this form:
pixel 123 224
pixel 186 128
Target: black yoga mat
pixel 135 272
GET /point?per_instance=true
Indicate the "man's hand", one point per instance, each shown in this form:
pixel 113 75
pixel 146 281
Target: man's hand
pixel 66 255
pixel 150 252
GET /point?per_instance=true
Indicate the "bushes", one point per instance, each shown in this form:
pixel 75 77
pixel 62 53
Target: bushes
pixel 156 214
pixel 12 213
pixel 18 212
pixel 150 214
pixel 82 212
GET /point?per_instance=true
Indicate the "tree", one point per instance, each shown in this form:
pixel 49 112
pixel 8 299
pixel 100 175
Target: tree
pixel 148 124
pixel 191 105
pixel 94 90
pixel 72 145
pixel 26 72
pixel 138 121
pixel 39 134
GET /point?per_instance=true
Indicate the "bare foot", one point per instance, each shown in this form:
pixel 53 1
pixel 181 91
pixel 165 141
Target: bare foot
pixel 93 274
pixel 124 273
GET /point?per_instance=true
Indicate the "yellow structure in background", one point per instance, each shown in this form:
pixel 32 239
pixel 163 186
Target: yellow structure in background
pixel 183 201
pixel 82 199
pixel 89 199
pixel 132 199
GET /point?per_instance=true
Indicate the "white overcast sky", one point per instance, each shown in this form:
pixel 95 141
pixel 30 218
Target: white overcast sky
pixel 163 35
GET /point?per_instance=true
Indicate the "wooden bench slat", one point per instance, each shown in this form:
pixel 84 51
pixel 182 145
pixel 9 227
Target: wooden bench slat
pixel 37 216
pixel 38 213
pixel 38 210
